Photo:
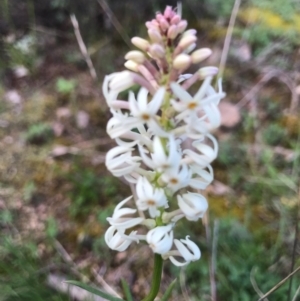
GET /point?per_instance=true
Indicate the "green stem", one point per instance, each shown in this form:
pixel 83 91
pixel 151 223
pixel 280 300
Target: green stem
pixel 156 278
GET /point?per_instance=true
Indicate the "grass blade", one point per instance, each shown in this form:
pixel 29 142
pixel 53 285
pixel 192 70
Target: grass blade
pixel 94 290
pixel 126 290
pixel 168 292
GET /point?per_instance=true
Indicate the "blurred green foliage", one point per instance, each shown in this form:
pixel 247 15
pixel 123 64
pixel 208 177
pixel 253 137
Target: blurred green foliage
pixel 90 191
pixel 22 273
pixel 39 133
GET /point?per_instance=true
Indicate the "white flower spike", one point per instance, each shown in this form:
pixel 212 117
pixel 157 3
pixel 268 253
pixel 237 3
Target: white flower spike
pixel 164 146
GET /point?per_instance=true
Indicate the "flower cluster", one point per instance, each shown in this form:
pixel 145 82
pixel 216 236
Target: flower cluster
pixel 164 146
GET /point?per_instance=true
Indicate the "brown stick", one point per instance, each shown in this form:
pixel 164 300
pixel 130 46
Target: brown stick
pixel 83 48
pixel 278 284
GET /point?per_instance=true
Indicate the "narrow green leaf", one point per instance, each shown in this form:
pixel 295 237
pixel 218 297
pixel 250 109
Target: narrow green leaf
pixel 94 290
pixel 168 292
pixel 126 290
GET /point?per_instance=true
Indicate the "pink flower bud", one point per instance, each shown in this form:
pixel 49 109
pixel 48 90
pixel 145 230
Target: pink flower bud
pixel 168 13
pixel 140 43
pixel 136 56
pixel 164 25
pixel 152 25
pixel 186 41
pixel 157 51
pixel 159 17
pixel 175 20
pixel 172 32
pixel 154 35
pixel 182 25
pixel 200 55
pixel 182 61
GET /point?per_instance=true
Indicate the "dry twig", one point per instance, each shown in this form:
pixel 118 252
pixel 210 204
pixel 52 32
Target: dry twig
pixel 83 48
pixel 278 285
pixel 115 22
pixel 228 37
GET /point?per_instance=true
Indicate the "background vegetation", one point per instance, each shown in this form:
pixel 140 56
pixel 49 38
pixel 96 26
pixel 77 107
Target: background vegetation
pixel 55 192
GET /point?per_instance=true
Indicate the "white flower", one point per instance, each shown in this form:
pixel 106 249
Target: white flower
pixel 116 239
pixel 192 205
pixel 109 95
pixel 186 249
pixel 150 198
pixel 119 161
pixel 141 108
pixel 121 81
pixel 186 102
pixel 120 218
pixel 207 153
pixel 160 159
pixel 160 239
pixel 206 99
pixel 203 177
pixel 177 178
pixel 146 112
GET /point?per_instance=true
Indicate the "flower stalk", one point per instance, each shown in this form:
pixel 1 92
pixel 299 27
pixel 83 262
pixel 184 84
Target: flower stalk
pixel 156 278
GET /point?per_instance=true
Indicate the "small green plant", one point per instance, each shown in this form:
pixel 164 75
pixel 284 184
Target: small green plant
pixel 274 134
pixel 65 86
pixel 28 191
pixel 51 227
pixel 39 133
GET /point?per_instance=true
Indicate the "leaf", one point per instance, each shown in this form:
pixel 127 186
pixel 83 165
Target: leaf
pixel 126 290
pixel 94 290
pixel 168 292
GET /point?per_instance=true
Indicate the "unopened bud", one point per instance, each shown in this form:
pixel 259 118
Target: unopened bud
pixel 182 61
pixel 152 24
pixel 164 25
pixel 122 81
pixel 172 32
pixel 157 51
pixel 189 32
pixel 181 26
pixel 169 13
pixel 154 35
pixel 140 43
pixel 187 41
pixel 136 56
pixel 175 20
pixel 191 48
pixel 200 55
pixel 149 223
pixel 131 65
pixel 207 71
pixel 159 17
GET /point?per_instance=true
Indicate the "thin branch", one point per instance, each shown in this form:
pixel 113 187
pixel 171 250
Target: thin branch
pixel 228 37
pixel 115 22
pixel 279 284
pixel 83 48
